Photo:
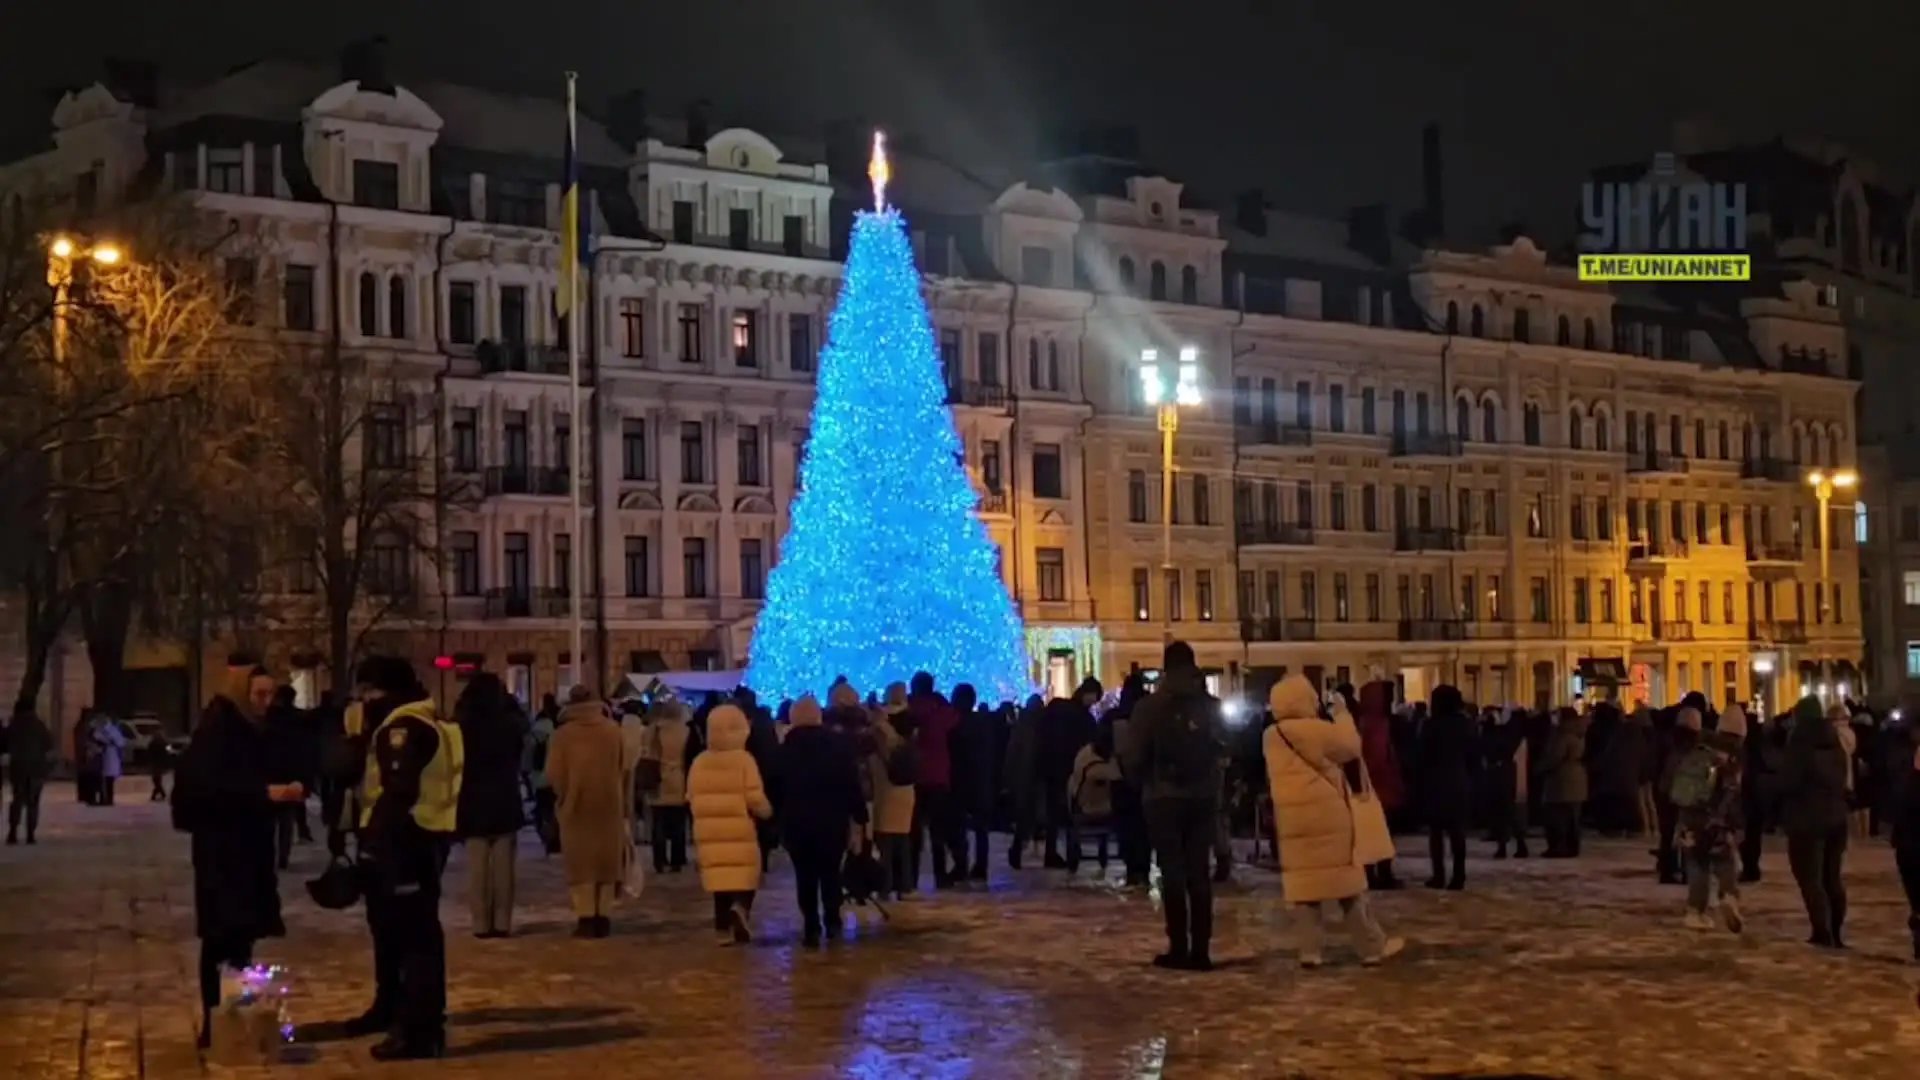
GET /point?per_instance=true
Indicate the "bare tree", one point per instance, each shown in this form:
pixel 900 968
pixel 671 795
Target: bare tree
pixel 121 451
pixel 353 451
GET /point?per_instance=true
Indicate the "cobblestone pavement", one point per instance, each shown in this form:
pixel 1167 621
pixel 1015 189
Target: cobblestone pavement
pixel 1555 969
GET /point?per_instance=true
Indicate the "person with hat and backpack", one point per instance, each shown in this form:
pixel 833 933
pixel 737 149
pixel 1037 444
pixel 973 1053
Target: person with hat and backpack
pixel 1706 794
pixel 895 770
pixel 410 799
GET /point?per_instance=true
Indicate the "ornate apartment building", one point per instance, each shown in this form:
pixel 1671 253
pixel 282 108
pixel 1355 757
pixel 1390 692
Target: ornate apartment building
pixel 1418 465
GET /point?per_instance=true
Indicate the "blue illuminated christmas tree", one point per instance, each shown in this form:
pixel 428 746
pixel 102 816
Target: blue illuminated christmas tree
pixel 886 570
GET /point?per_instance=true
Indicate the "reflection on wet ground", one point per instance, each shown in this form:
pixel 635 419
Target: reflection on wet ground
pixel 1565 970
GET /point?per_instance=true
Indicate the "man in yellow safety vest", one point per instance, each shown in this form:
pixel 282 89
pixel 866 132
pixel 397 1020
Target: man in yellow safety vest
pixel 408 799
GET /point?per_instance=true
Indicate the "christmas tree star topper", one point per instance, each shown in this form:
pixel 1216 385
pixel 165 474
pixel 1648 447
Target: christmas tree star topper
pixel 879 171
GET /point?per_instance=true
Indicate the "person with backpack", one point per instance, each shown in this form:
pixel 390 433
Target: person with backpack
pixel 671 748
pixel 895 770
pixel 823 809
pixel 1175 740
pixel 1090 796
pixel 410 812
pixel 1706 795
pixel 1673 746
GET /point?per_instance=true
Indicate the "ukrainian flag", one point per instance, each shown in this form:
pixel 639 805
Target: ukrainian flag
pixel 563 300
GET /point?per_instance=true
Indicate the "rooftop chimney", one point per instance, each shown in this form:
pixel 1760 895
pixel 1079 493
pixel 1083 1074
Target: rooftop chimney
pixel 365 62
pixel 627 119
pixel 699 123
pixel 1250 212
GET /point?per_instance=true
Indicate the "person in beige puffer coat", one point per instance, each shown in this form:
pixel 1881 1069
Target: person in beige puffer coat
pixel 893 803
pixel 726 795
pixel 1322 852
pixel 672 742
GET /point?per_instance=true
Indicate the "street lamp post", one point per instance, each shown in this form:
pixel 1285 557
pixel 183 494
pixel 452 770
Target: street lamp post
pixel 1824 484
pixel 1167 401
pixel 62 254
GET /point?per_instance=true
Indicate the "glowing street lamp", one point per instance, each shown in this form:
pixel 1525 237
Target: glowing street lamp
pixel 62 254
pixel 1824 484
pixel 1168 396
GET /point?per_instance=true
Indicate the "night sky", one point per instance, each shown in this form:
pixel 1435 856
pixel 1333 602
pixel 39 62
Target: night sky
pixel 1320 104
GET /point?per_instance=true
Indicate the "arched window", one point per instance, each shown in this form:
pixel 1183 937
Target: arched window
pixel 1563 331
pixel 1589 335
pixel 1575 426
pixel 1463 418
pixel 1157 281
pixel 1602 429
pixel 1833 446
pixel 1490 421
pixel 396 307
pixel 1126 274
pixel 1530 424
pixel 369 305
pixel 1849 234
pixel 1453 317
pixel 1477 322
pixel 1522 325
pixel 1793 443
pixel 1053 365
pixel 1189 285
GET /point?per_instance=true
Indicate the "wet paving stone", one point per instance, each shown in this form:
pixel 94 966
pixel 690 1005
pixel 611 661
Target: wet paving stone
pixel 1565 970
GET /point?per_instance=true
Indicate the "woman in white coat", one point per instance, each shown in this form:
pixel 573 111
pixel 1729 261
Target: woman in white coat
pixel 1326 841
pixel 727 797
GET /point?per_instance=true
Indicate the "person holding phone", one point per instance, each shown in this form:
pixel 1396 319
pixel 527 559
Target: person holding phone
pixel 224 798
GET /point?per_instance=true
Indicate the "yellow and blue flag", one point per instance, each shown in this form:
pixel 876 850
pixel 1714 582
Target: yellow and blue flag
pixel 563 301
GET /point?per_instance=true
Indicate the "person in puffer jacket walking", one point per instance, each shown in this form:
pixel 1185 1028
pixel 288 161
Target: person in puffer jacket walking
pixel 939 824
pixel 1707 795
pixel 727 797
pixel 822 807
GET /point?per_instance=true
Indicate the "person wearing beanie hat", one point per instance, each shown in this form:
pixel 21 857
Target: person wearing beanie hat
pixel 1174 748
pixel 410 797
pixel 1066 725
pixel 1814 776
pixel 1671 747
pixel 727 795
pixel 1706 791
pixel 821 805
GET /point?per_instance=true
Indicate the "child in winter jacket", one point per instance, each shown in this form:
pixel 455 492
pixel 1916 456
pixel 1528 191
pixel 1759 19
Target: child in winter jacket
pixel 726 795
pixel 1096 773
pixel 1706 793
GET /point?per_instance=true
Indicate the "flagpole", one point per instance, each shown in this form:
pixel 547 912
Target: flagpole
pixel 583 545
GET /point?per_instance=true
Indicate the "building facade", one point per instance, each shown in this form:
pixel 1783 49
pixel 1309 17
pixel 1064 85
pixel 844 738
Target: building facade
pixel 1407 464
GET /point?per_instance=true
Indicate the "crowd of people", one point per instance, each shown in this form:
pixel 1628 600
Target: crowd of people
pixel 869 787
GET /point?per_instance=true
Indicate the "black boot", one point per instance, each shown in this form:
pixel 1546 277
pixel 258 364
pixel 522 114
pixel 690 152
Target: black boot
pixel 586 927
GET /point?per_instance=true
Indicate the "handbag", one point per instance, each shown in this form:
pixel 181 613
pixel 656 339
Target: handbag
pixel 646 771
pixel 1346 793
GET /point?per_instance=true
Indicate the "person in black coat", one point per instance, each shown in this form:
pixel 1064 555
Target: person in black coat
pixel 293 758
pixel 819 770
pixel 1905 814
pixel 973 746
pixel 1066 725
pixel 224 796
pixel 763 743
pixel 1449 759
pixel 493 730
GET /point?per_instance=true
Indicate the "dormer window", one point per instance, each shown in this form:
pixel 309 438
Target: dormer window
pixel 1189 285
pixel 1157 280
pixel 682 221
pixel 741 159
pixel 1477 322
pixel 1156 210
pixel 516 202
pixel 226 170
pixel 376 184
pixel 739 229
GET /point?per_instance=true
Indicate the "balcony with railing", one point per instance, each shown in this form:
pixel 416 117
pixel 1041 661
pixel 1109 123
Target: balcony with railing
pixel 995 504
pixel 504 357
pixel 1770 470
pixel 1650 552
pixel 1428 539
pixel 1776 556
pixel 1273 433
pixel 1777 631
pixel 525 480
pixel 1433 630
pixel 1672 631
pixel 1273 534
pixel 977 395
pixel 1656 462
pixel 1275 629
pixel 1066 612
pixel 1432 444
pixel 530 602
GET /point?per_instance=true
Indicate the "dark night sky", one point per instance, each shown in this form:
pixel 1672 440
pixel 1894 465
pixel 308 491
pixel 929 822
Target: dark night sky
pixel 1318 103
